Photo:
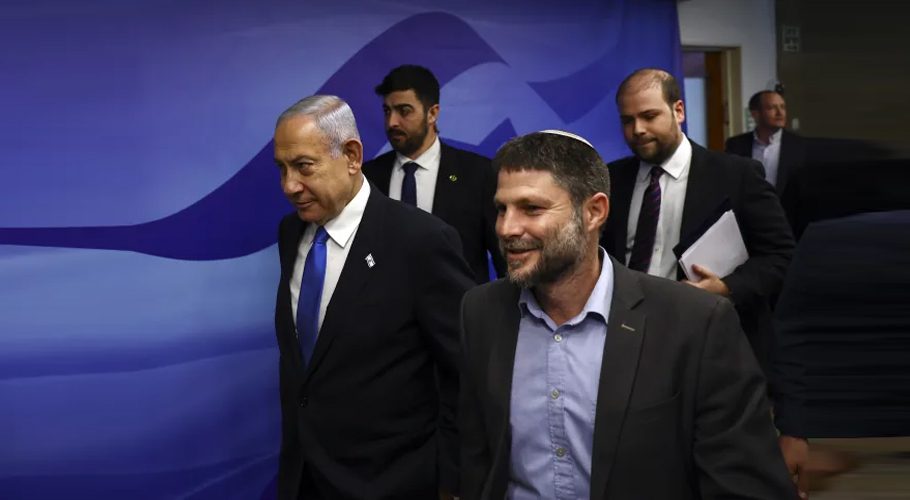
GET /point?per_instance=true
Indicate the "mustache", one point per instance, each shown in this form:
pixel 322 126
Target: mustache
pixel 519 245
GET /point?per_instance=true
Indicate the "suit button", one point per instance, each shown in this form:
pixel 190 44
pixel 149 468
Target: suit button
pixel 304 401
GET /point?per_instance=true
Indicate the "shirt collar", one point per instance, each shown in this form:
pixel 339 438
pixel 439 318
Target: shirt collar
pixel 429 160
pixel 598 302
pixel 675 165
pixel 773 139
pixel 343 226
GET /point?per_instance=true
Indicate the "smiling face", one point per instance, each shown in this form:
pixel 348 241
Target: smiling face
pixel 541 234
pixel 316 183
pixel 651 127
pixel 408 125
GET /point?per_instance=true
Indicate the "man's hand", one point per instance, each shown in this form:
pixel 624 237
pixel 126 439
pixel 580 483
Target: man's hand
pixel 445 495
pixel 796 456
pixel 709 281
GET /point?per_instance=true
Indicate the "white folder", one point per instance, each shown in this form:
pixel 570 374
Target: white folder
pixel 720 249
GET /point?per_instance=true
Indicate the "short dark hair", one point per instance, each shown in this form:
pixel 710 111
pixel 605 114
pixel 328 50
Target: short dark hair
pixel 651 77
pixel 755 100
pixel 411 77
pixel 575 166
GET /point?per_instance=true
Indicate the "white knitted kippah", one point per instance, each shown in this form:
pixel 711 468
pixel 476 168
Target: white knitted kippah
pixel 567 134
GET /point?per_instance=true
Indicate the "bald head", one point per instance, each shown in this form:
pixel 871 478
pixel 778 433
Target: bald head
pixel 647 78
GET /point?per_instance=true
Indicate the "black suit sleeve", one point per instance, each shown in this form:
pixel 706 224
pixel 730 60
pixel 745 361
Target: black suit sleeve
pixel 475 455
pixel 443 278
pixel 768 239
pixel 290 455
pixel 735 449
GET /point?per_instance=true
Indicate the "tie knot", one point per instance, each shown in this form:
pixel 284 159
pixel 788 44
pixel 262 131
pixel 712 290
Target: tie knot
pixel 656 172
pixel 409 168
pixel 321 236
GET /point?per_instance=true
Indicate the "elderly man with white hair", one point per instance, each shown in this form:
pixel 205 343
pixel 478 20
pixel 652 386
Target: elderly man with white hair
pixel 366 320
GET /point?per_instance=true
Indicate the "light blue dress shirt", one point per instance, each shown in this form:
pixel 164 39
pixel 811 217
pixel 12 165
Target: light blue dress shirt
pixel 554 396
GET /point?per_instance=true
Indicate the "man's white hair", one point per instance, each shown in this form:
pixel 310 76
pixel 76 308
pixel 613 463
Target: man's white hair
pixel 331 115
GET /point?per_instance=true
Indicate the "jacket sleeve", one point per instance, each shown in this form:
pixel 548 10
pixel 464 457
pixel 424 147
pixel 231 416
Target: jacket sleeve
pixel 444 277
pixel 475 455
pixel 768 240
pixel 735 446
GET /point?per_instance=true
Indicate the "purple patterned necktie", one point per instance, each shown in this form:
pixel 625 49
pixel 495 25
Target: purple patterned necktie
pixel 646 229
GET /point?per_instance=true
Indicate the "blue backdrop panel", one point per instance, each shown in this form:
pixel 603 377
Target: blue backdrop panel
pixel 139 204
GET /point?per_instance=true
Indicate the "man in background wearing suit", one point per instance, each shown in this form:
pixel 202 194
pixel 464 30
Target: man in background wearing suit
pixel 366 320
pixel 667 194
pixel 452 184
pixel 780 151
pixel 584 379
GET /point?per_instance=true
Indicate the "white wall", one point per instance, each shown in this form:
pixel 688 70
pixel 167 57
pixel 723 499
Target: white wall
pixel 748 24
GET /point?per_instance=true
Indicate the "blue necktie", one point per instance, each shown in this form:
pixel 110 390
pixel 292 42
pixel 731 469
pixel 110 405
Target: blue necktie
pixel 311 295
pixel 409 184
pixel 646 230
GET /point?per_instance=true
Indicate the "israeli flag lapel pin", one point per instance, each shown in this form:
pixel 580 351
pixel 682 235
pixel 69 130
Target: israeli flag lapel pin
pixel 370 261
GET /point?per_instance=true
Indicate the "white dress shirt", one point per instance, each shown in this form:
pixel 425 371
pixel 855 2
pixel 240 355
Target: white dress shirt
pixel 672 199
pixel 425 176
pixel 341 232
pixel 768 154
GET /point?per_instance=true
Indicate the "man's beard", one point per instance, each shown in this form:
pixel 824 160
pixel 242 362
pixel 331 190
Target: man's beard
pixel 559 254
pixel 662 151
pixel 412 143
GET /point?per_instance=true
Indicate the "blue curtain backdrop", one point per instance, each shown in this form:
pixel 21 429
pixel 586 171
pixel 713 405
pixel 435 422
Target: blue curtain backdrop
pixel 139 204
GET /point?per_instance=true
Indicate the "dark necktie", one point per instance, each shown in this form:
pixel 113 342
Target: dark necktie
pixel 409 184
pixel 311 294
pixel 646 230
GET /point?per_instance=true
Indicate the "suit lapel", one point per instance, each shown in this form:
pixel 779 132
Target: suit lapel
pixel 699 200
pixel 625 331
pixel 783 161
pixel 290 241
pixel 445 195
pixel 354 275
pixel 503 331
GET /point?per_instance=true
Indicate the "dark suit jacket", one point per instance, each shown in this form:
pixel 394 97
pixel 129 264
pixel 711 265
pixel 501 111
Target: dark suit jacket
pixel 681 405
pixel 792 154
pixel 465 203
pixel 714 179
pixel 372 415
pixel 843 324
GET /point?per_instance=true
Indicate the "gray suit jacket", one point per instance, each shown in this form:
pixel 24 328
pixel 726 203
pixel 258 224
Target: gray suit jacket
pixel 681 406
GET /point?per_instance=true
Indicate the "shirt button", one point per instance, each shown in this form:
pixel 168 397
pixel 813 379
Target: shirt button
pixel 557 337
pixel 560 452
pixel 555 394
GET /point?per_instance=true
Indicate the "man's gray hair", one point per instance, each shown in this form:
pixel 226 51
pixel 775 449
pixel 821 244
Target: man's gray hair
pixel 332 116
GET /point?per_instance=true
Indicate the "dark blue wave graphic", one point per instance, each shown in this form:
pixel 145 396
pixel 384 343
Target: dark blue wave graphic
pixel 502 133
pixel 240 217
pixel 572 96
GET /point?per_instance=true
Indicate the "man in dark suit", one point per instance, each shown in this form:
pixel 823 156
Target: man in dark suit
pixel 584 379
pixel 694 185
pixel 452 184
pixel 672 190
pixel 366 320
pixel 780 151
